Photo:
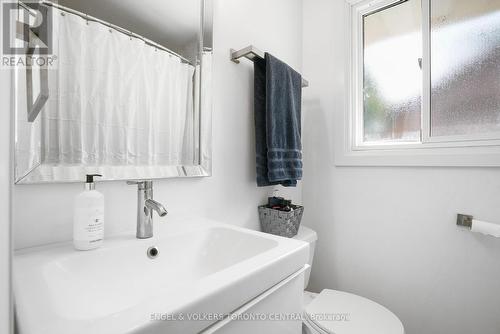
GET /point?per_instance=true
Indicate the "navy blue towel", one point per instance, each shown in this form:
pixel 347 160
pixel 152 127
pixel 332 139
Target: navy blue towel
pixel 278 100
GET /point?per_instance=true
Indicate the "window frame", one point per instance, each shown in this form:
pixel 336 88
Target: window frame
pixel 460 150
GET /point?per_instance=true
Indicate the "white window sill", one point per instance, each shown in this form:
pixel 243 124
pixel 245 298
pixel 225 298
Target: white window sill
pixel 485 156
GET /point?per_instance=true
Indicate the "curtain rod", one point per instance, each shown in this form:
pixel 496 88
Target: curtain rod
pixel 107 24
pixel 31 11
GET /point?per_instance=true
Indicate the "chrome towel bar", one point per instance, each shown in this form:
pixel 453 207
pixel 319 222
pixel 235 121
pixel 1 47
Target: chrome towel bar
pixel 251 53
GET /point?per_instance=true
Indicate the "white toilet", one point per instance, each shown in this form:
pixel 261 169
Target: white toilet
pixel 336 312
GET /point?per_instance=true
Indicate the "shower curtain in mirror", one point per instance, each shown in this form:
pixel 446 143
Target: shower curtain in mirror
pixel 115 100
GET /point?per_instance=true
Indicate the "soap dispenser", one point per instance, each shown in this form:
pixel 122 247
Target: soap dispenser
pixel 88 219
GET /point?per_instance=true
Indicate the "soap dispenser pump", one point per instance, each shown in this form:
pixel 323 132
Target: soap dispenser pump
pixel 90 184
pixel 88 219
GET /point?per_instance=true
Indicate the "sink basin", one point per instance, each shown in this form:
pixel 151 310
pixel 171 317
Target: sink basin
pixel 202 267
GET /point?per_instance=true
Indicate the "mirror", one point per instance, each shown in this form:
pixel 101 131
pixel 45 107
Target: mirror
pixel 129 92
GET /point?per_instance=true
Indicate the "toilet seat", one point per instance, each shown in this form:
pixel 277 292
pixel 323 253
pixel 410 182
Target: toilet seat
pixel 324 315
pixel 312 328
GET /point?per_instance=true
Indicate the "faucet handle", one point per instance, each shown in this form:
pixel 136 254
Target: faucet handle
pixel 131 183
pixel 143 184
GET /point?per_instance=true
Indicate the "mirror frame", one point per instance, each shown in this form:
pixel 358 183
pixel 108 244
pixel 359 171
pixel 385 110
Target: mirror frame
pixel 46 173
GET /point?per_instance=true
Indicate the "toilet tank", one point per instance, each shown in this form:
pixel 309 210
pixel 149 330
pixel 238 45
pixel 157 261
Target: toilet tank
pixel 309 236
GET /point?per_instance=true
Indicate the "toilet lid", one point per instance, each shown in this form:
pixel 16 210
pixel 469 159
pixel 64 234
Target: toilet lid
pixel 344 313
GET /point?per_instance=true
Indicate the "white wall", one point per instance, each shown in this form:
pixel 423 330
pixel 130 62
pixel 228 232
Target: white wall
pixel 43 213
pixel 389 233
pixel 5 197
pixel 5 200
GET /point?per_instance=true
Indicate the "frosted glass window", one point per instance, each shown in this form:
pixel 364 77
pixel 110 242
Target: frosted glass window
pixel 392 83
pixel 465 67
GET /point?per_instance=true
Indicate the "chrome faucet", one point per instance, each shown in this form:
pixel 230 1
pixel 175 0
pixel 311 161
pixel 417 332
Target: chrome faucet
pixel 145 207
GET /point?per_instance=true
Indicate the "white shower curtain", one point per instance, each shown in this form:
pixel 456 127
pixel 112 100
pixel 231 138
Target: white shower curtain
pixel 115 100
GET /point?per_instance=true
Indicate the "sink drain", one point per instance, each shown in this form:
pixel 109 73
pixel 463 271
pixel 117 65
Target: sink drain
pixel 153 252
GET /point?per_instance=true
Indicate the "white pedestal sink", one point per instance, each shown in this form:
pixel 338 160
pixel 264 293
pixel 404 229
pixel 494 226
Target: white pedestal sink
pixel 204 272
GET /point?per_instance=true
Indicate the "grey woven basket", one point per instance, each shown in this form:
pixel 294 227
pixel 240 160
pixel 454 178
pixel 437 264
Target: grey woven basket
pixel 284 224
